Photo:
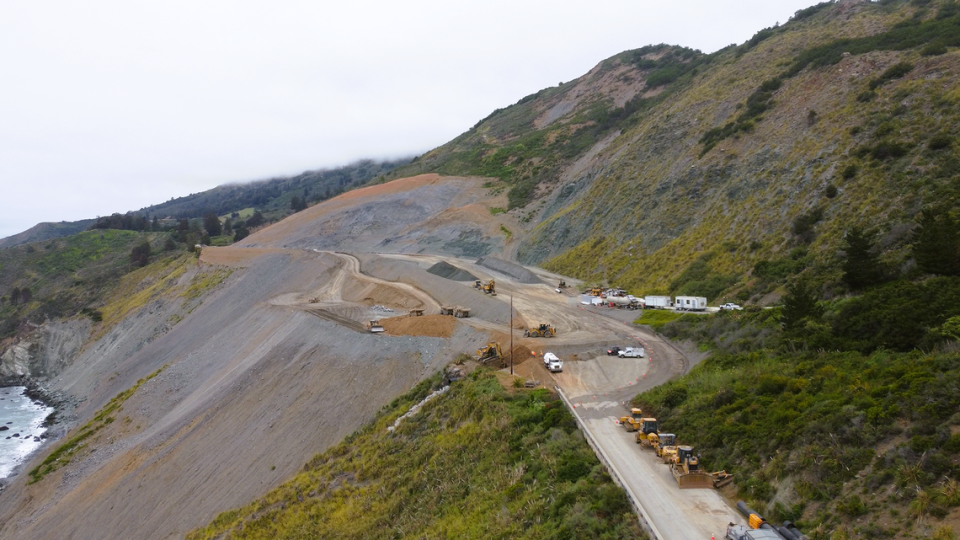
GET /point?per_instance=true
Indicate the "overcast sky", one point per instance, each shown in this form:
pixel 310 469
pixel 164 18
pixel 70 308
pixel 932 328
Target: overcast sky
pixel 112 106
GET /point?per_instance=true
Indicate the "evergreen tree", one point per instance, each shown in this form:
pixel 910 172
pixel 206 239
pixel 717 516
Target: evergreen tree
pixel 936 243
pixel 799 306
pixel 240 232
pixel 227 227
pixel 255 220
pixel 861 267
pixel 212 224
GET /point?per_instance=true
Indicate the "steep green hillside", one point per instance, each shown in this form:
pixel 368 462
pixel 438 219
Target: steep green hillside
pixel 66 276
pixel 476 462
pixel 663 160
pixel 819 416
pixel 46 231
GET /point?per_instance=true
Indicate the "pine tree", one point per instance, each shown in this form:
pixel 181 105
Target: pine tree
pixel 861 267
pixel 936 243
pixel 799 305
pixel 212 224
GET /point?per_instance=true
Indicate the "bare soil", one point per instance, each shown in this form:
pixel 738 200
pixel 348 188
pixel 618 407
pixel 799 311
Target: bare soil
pixel 275 365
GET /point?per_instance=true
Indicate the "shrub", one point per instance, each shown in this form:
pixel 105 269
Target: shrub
pixel 895 71
pixel 849 172
pixel 940 141
pixel 888 150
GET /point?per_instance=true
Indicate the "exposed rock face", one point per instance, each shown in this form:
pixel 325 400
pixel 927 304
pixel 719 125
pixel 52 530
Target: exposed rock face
pixel 46 351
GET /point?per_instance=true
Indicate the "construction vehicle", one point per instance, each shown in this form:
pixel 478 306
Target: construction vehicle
pixel 595 291
pixel 544 330
pixel 760 529
pixel 489 288
pixel 415 313
pixel 688 474
pixel 375 327
pixel 562 285
pixel 666 447
pixel 648 429
pixel 490 353
pixel 632 422
pixel 456 311
pixel 552 362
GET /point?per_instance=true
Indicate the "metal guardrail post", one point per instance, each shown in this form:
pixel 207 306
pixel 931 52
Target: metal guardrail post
pixel 645 523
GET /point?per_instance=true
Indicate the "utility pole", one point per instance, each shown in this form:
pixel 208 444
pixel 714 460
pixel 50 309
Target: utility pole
pixel 511 334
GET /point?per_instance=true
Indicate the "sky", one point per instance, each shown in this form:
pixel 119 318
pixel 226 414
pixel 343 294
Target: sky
pixel 113 106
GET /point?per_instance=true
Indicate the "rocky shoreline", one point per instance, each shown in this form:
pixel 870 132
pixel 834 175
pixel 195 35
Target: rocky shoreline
pixel 55 422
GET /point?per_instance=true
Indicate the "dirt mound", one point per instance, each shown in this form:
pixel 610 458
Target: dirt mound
pixel 441 326
pixel 515 271
pixel 449 271
pixel 377 293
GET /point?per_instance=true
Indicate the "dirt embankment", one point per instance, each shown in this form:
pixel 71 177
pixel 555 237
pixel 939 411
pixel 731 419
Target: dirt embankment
pixel 440 326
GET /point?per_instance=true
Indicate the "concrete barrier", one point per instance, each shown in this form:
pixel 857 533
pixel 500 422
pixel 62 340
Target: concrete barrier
pixel 645 522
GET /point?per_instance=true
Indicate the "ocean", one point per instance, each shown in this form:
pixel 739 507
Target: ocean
pixel 23 418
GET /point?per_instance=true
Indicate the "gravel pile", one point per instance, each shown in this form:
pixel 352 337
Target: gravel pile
pixel 515 271
pixel 449 271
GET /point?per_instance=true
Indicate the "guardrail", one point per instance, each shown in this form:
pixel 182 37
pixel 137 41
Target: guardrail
pixel 642 515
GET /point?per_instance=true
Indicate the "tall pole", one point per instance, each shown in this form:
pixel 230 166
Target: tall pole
pixel 511 333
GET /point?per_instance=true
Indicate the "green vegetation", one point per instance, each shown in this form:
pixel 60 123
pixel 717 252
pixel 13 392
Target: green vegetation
pixel 104 417
pixel 655 318
pixel 700 279
pixel 477 462
pixel 206 280
pixel 934 35
pixel 829 410
pixel 64 276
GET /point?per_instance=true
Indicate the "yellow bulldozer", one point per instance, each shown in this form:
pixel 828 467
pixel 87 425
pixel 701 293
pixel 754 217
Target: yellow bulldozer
pixel 544 330
pixel 688 474
pixel 632 422
pixel 596 291
pixel 490 354
pixel 490 287
pixel 648 428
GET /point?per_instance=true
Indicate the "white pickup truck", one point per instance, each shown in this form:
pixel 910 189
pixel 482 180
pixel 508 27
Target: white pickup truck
pixel 552 362
pixel 730 306
pixel 631 352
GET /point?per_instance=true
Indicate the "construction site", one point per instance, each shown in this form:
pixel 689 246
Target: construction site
pixel 324 318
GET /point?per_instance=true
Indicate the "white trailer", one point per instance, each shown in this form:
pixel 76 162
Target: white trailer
pixel 690 303
pixel 657 302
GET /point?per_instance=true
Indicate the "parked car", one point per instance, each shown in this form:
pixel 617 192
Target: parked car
pixel 612 351
pixel 631 352
pixel 730 306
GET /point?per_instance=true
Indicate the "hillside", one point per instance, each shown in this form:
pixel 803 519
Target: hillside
pixel 46 231
pixel 273 198
pixel 664 158
pixel 533 476
pixel 814 166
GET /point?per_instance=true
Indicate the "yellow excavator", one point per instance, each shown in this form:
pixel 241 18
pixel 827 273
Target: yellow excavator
pixel 490 353
pixel 544 330
pixel 648 428
pixel 490 287
pixel 632 422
